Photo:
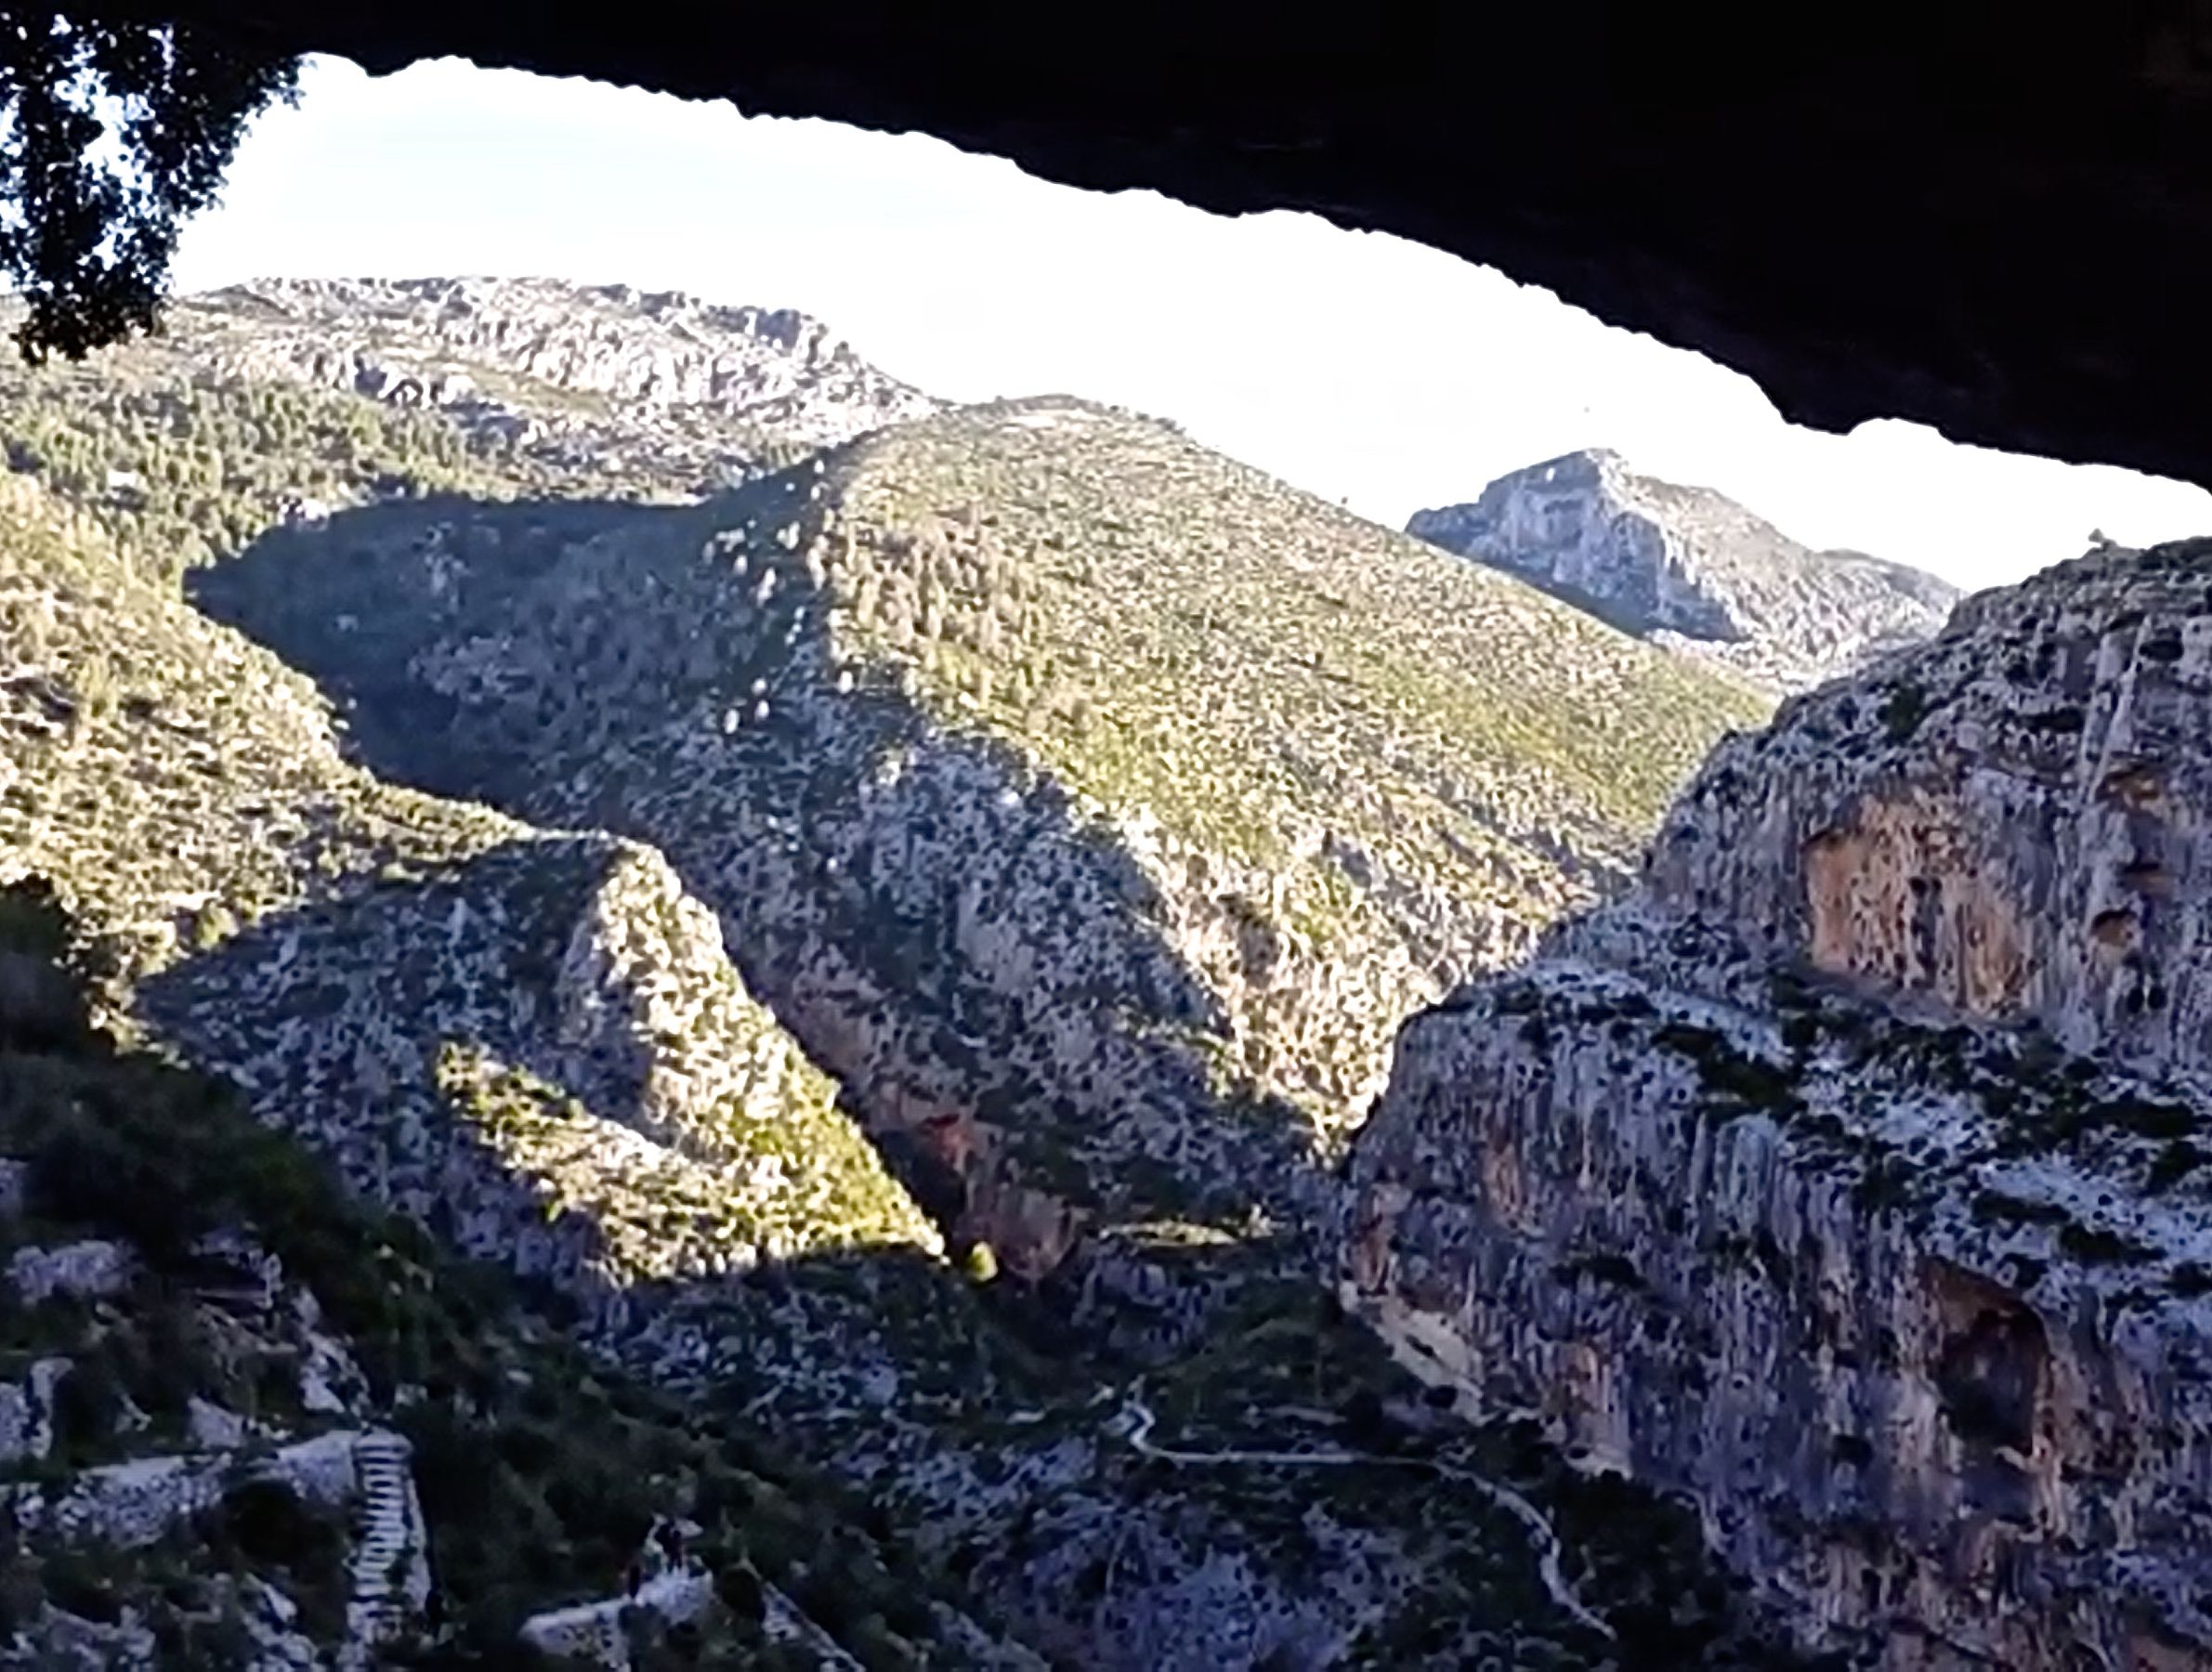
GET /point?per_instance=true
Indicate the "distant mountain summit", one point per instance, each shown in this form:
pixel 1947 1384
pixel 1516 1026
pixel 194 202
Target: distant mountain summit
pixel 550 366
pixel 1691 568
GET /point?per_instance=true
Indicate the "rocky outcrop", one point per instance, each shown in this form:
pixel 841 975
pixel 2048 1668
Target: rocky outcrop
pixel 27 1412
pixel 1849 1176
pixel 82 1271
pixel 577 1087
pixel 170 1428
pixel 667 1589
pixel 535 1042
pixel 556 369
pixel 1726 192
pixel 1689 568
pixel 661 349
pixel 2008 823
pixel 594 1634
pixel 1099 918
pixel 133 1503
pixel 963 833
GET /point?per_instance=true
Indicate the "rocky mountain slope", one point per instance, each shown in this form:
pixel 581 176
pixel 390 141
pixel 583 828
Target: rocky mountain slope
pixel 1689 568
pixel 289 399
pixel 1022 751
pixel 1103 921
pixel 543 365
pixel 998 794
pixel 184 793
pixel 1853 1173
pixel 530 1044
pixel 246 1421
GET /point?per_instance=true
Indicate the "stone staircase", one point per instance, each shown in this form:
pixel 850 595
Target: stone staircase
pixel 391 1537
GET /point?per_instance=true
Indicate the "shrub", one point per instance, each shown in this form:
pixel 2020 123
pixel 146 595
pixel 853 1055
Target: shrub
pixel 738 1587
pixel 87 1402
pixel 75 1585
pixel 267 1521
pixel 1902 710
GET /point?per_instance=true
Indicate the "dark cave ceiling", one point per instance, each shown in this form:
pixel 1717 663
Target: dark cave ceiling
pixel 1994 219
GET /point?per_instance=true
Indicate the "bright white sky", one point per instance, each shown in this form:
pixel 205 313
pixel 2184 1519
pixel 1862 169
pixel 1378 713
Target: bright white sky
pixel 1359 366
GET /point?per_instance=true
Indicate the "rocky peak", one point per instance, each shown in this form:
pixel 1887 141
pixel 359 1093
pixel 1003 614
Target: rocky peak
pixel 1690 568
pixel 1849 1175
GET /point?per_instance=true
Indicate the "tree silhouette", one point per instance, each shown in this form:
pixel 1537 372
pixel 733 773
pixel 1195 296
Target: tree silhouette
pixel 111 136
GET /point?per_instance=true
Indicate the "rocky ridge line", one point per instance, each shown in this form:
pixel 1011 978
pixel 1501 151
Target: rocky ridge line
pixel 544 364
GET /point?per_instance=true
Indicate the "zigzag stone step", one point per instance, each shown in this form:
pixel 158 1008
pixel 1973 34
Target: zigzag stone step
pixel 135 1503
pixel 391 1535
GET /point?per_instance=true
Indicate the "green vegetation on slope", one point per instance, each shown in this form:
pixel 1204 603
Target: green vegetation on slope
pixel 179 469
pixel 1172 630
pixel 1278 687
pixel 539 1470
pixel 643 1218
pixel 182 449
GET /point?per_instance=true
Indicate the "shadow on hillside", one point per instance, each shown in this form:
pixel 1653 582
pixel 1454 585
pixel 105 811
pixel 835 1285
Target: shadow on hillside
pixel 873 1365
pixel 423 1036
pixel 927 915
pixel 870 1362
pixel 538 1483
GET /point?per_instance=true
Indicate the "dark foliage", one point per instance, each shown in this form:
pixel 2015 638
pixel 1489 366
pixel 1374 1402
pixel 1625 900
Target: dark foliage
pixel 111 136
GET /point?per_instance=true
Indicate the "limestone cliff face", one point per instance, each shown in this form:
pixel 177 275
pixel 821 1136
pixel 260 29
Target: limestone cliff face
pixel 473 345
pixel 1851 1176
pixel 1690 568
pixel 2010 821
pixel 1037 774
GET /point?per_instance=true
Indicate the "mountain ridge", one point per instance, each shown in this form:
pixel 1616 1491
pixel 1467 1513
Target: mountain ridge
pixel 661 349
pixel 883 785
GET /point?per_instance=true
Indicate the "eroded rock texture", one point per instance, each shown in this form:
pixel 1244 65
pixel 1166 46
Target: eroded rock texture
pixel 1849 1175
pixel 1104 915
pixel 1690 568
pixel 1007 782
pixel 2009 822
pixel 533 1041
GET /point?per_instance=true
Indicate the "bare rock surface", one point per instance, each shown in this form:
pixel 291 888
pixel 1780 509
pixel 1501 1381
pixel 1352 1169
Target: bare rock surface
pixel 1852 1174
pixel 541 360
pixel 1691 569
